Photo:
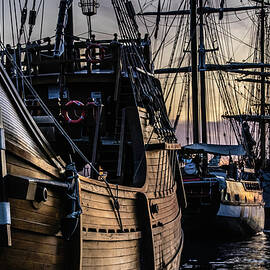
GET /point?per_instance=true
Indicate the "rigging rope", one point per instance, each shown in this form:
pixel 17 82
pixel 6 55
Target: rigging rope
pixel 11 22
pixel 23 18
pixel 146 90
pixel 16 20
pixel 62 131
pixel 32 19
pixel 42 19
pixel 3 20
pixel 141 10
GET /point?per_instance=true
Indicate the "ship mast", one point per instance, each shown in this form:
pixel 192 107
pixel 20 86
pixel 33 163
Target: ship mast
pixel 202 77
pixel 194 72
pixel 262 122
pixel 194 68
pixel 203 67
pixel 69 38
pixel 64 11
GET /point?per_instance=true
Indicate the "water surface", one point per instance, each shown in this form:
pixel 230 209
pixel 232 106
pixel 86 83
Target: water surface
pixel 253 254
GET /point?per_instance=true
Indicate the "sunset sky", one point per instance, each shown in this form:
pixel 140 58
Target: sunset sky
pixel 105 25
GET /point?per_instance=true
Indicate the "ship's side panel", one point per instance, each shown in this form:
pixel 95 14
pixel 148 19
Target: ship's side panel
pixel 160 176
pixel 168 244
pixel 163 202
pixel 110 239
pixel 33 251
pixel 20 129
pixel 34 228
pixel 243 203
pixel 35 237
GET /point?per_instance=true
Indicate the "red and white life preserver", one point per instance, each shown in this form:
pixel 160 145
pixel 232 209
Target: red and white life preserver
pixel 90 56
pixel 66 115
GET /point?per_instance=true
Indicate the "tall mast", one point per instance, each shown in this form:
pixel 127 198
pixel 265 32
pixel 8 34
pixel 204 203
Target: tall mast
pixel 193 36
pixel 212 67
pixel 69 39
pixel 202 77
pixel 62 16
pixel 262 123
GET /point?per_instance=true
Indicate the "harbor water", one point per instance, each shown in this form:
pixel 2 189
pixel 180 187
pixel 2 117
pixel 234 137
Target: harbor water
pixel 252 253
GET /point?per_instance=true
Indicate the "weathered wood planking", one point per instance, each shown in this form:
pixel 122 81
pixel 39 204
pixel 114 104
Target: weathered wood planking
pixel 161 192
pixel 33 251
pixel 160 174
pixel 245 196
pixel 35 245
pixel 33 230
pixel 111 251
pixel 168 240
pixel 115 244
pixel 106 248
pixel 36 162
pixel 5 227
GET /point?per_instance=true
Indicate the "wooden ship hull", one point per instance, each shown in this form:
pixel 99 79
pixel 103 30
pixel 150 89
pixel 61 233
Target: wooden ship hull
pixel 236 211
pixel 147 230
pixel 130 219
pixel 29 235
pixel 155 240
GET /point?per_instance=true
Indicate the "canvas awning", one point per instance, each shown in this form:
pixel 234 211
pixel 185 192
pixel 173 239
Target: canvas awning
pixel 218 149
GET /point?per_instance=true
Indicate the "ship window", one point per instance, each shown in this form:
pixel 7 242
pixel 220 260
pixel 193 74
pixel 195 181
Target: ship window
pixel 236 197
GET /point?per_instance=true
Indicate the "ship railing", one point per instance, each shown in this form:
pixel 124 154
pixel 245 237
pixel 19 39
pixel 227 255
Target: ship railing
pixel 36 59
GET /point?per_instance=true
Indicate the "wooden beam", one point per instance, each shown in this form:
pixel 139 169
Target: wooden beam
pixel 245 117
pixel 247 72
pixel 194 71
pixel 209 10
pixel 252 80
pixel 204 10
pixel 144 72
pixel 117 68
pixel 121 147
pixel 21 188
pixel 95 139
pixel 165 13
pixel 144 214
pixel 212 67
pixel 5 216
pixel 173 70
pixel 31 189
pixel 235 65
pixel 162 146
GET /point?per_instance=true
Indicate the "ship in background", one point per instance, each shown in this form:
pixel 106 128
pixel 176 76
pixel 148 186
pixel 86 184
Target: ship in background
pixel 204 78
pixel 90 171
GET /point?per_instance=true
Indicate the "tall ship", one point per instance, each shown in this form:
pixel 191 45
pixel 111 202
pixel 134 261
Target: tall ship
pixel 90 175
pixel 215 78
